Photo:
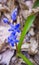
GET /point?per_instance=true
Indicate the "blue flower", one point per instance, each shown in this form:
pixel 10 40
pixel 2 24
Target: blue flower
pixel 14 14
pixel 15 28
pixel 5 20
pixel 13 33
pixel 12 39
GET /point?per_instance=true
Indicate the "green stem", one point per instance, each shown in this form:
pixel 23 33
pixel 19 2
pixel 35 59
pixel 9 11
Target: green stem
pixel 27 61
pixel 27 26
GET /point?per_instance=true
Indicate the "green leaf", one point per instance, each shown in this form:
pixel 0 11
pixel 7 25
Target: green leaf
pixel 27 61
pixel 27 26
pixel 36 4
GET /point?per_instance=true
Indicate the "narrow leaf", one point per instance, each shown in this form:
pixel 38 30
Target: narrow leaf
pixel 28 24
pixel 27 61
pixel 36 4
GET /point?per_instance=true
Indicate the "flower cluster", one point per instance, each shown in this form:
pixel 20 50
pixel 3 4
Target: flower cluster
pixel 13 36
pixel 13 16
pixel 13 28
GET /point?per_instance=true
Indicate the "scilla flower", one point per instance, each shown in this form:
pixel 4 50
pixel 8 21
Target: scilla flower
pixel 5 20
pixel 12 39
pixel 14 14
pixel 15 28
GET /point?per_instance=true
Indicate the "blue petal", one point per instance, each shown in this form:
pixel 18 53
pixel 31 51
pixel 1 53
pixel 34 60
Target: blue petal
pixel 12 25
pixel 17 26
pixel 18 31
pixel 13 37
pixel 14 14
pixel 9 39
pixel 16 41
pixel 12 44
pixel 11 29
pixel 13 33
pixel 13 17
pixel 5 20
